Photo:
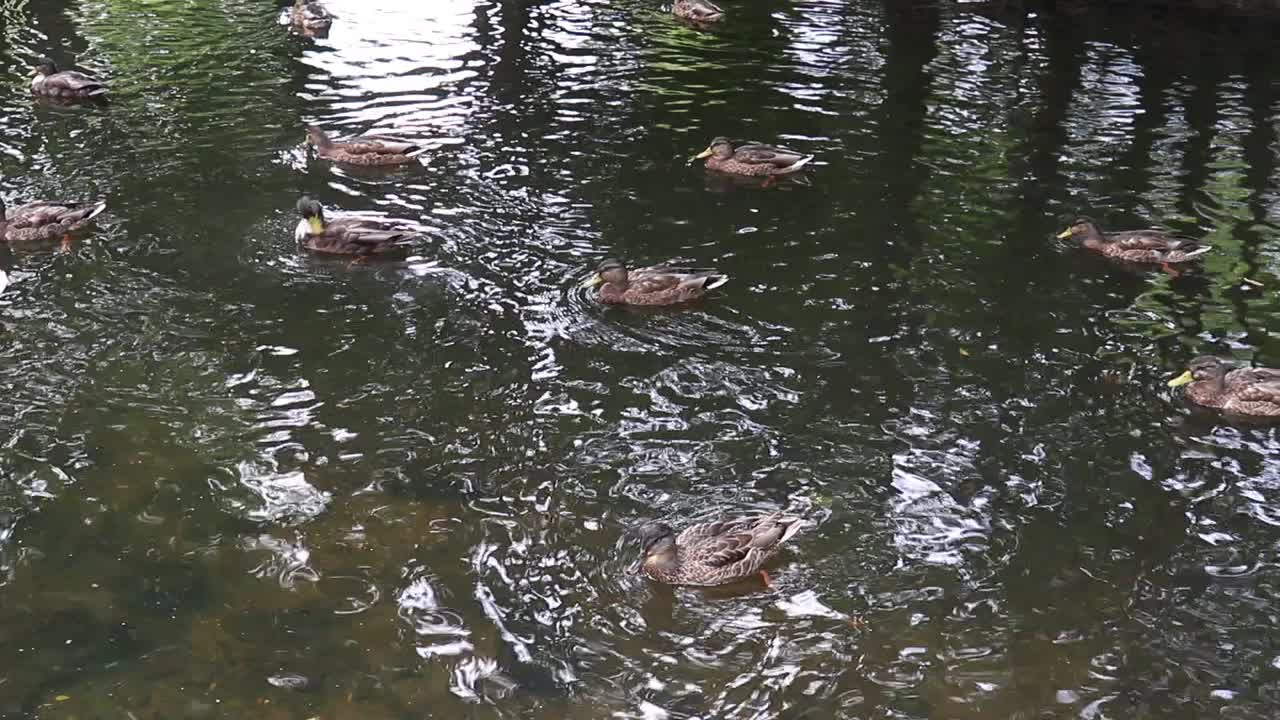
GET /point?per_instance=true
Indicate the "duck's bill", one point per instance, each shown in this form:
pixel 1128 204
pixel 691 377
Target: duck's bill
pixel 592 281
pixel 1181 380
pixel 1064 234
pixel 704 154
pixel 634 568
pixel 34 72
pixel 316 226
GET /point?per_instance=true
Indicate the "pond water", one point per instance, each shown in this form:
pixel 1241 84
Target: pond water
pixel 237 481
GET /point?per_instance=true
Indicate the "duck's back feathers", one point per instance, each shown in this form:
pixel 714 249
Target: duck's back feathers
pixel 356 236
pixel 778 157
pixel 45 220
pixel 723 551
pixel 69 84
pixel 663 286
pixel 698 11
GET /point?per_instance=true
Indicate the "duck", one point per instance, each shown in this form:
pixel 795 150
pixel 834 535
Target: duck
pixel 310 18
pixel 368 150
pixel 650 286
pixel 1212 383
pixel 753 159
pixel 46 220
pixel 48 81
pixel 713 553
pixel 360 237
pixel 697 11
pixel 1149 247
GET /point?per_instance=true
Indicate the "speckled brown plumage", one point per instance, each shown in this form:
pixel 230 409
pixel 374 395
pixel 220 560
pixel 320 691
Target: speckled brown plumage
pixel 66 85
pixel 1213 384
pixel 651 286
pixel 45 221
pixel 1153 247
pixel 712 553
pixel 753 159
pixel 310 18
pixel 366 150
pixel 697 11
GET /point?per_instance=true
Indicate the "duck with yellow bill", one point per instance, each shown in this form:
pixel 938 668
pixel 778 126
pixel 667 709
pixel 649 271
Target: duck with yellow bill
pixel 1212 383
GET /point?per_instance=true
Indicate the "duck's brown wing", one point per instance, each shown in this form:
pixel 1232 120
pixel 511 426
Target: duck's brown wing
pixel 703 10
pixel 1242 377
pixel 40 214
pixel 662 279
pixel 651 282
pixel 360 237
pixel 1152 240
pixel 1259 399
pixel 311 13
pixel 725 551
pixel 761 154
pixel 379 145
pixel 70 82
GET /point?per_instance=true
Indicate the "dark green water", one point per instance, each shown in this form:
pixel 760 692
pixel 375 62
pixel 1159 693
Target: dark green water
pixel 236 481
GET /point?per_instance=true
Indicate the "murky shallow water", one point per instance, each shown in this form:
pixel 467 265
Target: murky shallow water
pixel 236 481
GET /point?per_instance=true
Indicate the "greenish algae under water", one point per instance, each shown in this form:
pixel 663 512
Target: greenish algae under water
pixel 236 481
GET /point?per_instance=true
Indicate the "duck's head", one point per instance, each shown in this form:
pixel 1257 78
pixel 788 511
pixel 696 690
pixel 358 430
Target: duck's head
pixel 720 147
pixel 1203 368
pixel 44 65
pixel 609 271
pixel 317 137
pixel 1081 227
pixel 312 214
pixel 657 543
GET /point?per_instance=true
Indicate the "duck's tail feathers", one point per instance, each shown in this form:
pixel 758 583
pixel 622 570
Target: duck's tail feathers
pixel 97 210
pixel 416 152
pixel 1199 251
pixel 794 525
pixel 98 92
pixel 799 163
pixel 715 281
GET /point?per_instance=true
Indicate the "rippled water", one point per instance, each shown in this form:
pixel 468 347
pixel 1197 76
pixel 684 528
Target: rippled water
pixel 236 481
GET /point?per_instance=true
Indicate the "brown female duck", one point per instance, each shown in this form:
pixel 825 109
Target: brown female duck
pixel 713 553
pixel 1213 384
pixel 359 237
pixel 368 150
pixel 310 19
pixel 45 221
pixel 1151 247
pixel 699 12
pixel 752 159
pixel 650 286
pixel 67 85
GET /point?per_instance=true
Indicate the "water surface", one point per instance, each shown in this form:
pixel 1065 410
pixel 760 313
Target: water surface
pixel 237 481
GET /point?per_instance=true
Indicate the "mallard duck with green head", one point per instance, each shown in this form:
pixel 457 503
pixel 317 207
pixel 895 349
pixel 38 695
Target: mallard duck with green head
pixel 713 553
pixel 367 150
pixel 1148 247
pixel 1212 383
pixel 68 85
pixel 651 286
pixel 45 221
pixel 310 18
pixel 360 237
pixel 752 159
pixel 699 12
